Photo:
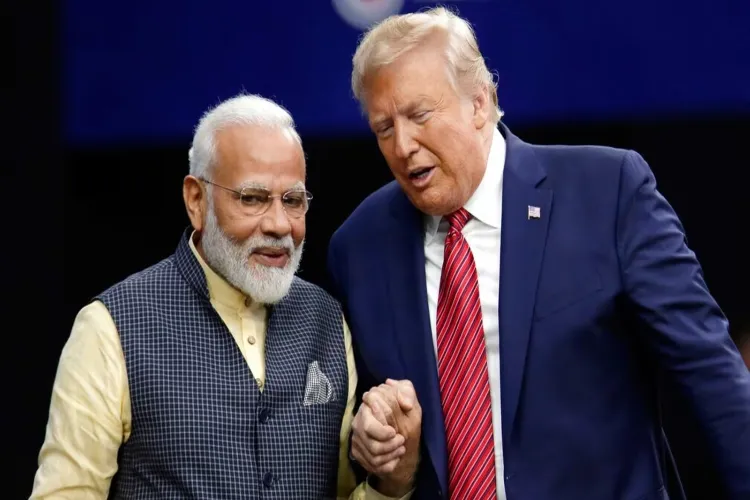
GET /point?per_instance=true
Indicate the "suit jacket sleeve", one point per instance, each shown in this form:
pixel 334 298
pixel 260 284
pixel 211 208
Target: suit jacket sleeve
pixel 364 382
pixel 335 287
pixel 688 332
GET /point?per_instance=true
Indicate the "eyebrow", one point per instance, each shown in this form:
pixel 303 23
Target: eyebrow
pixel 406 110
pixel 380 122
pixel 251 185
pixel 297 186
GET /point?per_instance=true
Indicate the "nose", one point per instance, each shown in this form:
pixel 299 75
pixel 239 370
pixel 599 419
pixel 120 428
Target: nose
pixel 404 143
pixel 275 222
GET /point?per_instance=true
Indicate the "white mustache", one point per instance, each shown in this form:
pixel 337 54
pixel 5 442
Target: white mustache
pixel 260 242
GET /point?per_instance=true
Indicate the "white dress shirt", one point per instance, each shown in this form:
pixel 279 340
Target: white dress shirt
pixel 482 232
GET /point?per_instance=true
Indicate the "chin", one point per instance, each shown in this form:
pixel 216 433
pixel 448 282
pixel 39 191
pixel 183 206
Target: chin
pixel 434 204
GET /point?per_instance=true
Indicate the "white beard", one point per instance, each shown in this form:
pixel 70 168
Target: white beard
pixel 231 260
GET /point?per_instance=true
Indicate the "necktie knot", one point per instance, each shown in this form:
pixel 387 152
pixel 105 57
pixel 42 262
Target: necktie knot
pixel 458 219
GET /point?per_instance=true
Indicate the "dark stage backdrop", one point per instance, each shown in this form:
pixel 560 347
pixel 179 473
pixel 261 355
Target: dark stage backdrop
pixel 155 65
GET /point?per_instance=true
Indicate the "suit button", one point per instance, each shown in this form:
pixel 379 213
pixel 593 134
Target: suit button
pixel 268 479
pixel 264 415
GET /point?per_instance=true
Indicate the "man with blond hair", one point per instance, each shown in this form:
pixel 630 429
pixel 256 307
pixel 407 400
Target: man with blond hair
pixel 521 297
pixel 216 373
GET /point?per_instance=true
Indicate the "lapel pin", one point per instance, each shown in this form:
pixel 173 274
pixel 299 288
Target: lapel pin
pixel 534 212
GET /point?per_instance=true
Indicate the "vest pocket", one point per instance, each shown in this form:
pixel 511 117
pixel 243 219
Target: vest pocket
pixel 321 412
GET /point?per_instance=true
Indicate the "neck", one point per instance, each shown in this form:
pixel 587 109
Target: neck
pixel 486 134
pixel 199 245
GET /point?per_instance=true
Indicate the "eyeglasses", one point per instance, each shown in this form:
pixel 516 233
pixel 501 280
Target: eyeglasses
pixel 257 201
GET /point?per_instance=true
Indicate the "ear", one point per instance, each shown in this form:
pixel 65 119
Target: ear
pixel 481 103
pixel 194 196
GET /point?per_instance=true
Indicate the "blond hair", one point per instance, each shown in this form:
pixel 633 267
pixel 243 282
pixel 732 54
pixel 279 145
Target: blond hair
pixel 390 39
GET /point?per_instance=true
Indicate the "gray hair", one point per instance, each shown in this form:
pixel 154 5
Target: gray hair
pixel 388 40
pixel 245 109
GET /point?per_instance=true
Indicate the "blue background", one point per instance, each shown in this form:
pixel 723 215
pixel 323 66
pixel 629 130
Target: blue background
pixel 143 71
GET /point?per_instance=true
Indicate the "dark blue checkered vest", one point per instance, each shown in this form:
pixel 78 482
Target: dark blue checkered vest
pixel 201 428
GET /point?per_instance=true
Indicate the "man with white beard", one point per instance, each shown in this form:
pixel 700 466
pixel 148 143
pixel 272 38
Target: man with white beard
pixel 216 373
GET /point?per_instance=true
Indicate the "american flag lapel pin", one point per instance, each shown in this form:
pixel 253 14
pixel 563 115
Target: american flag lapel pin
pixel 534 212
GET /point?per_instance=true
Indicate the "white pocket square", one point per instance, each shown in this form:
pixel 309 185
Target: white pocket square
pixel 318 388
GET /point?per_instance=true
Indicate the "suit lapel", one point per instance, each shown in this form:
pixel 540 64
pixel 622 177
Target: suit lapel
pixel 411 324
pixel 523 237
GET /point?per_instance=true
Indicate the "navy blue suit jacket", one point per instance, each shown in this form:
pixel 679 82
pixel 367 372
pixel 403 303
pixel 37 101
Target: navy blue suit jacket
pixel 594 294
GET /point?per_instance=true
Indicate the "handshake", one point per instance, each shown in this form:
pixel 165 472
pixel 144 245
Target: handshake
pixel 386 435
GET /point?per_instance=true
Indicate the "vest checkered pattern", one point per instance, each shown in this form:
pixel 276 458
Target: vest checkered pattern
pixel 201 428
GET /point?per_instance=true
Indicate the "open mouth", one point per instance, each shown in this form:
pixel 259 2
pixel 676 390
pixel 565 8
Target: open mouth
pixel 420 173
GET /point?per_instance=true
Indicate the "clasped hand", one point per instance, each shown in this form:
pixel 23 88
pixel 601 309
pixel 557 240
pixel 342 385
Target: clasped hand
pixel 386 433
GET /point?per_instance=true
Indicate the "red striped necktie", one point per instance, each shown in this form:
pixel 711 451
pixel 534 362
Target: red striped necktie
pixel 462 370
